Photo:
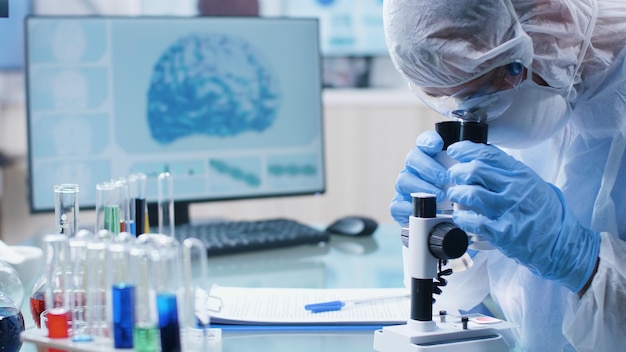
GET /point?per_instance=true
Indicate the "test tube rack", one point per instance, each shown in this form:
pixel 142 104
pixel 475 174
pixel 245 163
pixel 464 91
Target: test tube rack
pixel 39 338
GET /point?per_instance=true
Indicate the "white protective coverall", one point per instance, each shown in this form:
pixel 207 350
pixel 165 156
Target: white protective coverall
pixel 577 46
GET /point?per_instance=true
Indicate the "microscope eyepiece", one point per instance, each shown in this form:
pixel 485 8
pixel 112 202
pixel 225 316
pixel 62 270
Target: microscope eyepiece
pixel 424 205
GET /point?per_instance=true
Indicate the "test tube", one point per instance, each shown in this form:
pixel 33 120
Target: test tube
pixel 79 259
pixel 96 284
pixel 124 197
pixel 167 263
pixel 58 290
pixel 131 183
pixel 196 318
pixel 66 208
pixel 107 208
pixel 122 297
pixel 165 198
pixel 145 331
pixel 137 187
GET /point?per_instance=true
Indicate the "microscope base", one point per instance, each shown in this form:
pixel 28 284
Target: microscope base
pixel 445 338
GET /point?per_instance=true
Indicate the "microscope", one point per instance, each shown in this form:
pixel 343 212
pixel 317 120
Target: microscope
pixel 433 237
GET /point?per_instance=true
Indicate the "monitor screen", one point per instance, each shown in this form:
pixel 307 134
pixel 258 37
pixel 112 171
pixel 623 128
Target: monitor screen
pixel 230 106
pixel 347 27
pixel 12 35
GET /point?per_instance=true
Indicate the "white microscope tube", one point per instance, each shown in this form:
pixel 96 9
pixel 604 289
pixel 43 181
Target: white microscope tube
pixel 165 198
pixel 66 208
pixel 449 132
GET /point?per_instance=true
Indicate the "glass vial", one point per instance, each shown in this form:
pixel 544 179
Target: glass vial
pixel 167 265
pixel 165 193
pixel 122 305
pixel 66 208
pixel 146 337
pixel 107 208
pixel 137 184
pixel 195 314
pixel 78 273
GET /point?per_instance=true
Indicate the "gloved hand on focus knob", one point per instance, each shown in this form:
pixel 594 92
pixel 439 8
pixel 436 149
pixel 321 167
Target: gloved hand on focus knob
pixel 519 213
pixel 421 173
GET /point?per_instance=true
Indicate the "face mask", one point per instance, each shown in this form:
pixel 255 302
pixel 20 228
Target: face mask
pixel 535 114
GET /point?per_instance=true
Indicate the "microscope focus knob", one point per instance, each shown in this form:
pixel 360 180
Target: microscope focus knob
pixel 446 241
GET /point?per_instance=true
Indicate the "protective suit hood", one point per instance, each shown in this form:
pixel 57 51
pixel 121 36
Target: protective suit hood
pixel 446 43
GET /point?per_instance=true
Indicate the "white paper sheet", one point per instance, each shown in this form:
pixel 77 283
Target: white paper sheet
pixel 286 306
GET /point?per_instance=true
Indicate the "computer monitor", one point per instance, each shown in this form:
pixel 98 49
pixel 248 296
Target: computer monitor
pixel 351 28
pixel 352 38
pixel 230 106
pixel 12 35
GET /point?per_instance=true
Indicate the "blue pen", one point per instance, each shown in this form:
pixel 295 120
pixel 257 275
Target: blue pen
pixel 338 305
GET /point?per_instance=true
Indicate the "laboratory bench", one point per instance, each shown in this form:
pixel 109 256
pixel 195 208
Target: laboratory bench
pixel 343 262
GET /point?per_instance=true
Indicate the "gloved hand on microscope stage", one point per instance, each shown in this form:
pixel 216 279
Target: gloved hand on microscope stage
pixel 522 215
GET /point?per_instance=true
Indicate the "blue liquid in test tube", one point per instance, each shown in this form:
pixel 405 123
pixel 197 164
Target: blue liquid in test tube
pixel 168 322
pixel 138 206
pixel 123 315
pixel 132 229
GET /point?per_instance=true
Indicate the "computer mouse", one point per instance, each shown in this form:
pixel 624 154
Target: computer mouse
pixel 353 226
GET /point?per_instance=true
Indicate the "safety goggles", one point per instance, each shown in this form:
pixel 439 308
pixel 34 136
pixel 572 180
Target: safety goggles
pixel 479 99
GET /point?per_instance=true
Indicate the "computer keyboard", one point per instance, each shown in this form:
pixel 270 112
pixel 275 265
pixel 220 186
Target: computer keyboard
pixel 230 237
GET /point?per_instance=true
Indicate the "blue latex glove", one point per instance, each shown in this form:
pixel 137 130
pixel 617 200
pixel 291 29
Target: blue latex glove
pixel 421 173
pixel 519 213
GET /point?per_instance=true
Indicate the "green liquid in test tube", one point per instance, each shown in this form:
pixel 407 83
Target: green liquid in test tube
pixel 146 339
pixel 107 208
pixel 146 336
pixel 112 218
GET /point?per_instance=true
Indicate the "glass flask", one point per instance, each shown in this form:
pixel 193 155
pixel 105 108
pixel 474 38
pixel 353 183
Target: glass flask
pixel 56 271
pixel 11 325
pixel 11 284
pixel 37 300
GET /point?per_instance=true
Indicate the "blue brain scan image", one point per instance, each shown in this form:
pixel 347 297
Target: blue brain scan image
pixel 211 84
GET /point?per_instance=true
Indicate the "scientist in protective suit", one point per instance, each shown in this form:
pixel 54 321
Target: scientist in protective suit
pixel 549 190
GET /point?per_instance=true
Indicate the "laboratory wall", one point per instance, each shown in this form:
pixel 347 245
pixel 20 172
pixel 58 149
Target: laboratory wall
pixel 368 133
